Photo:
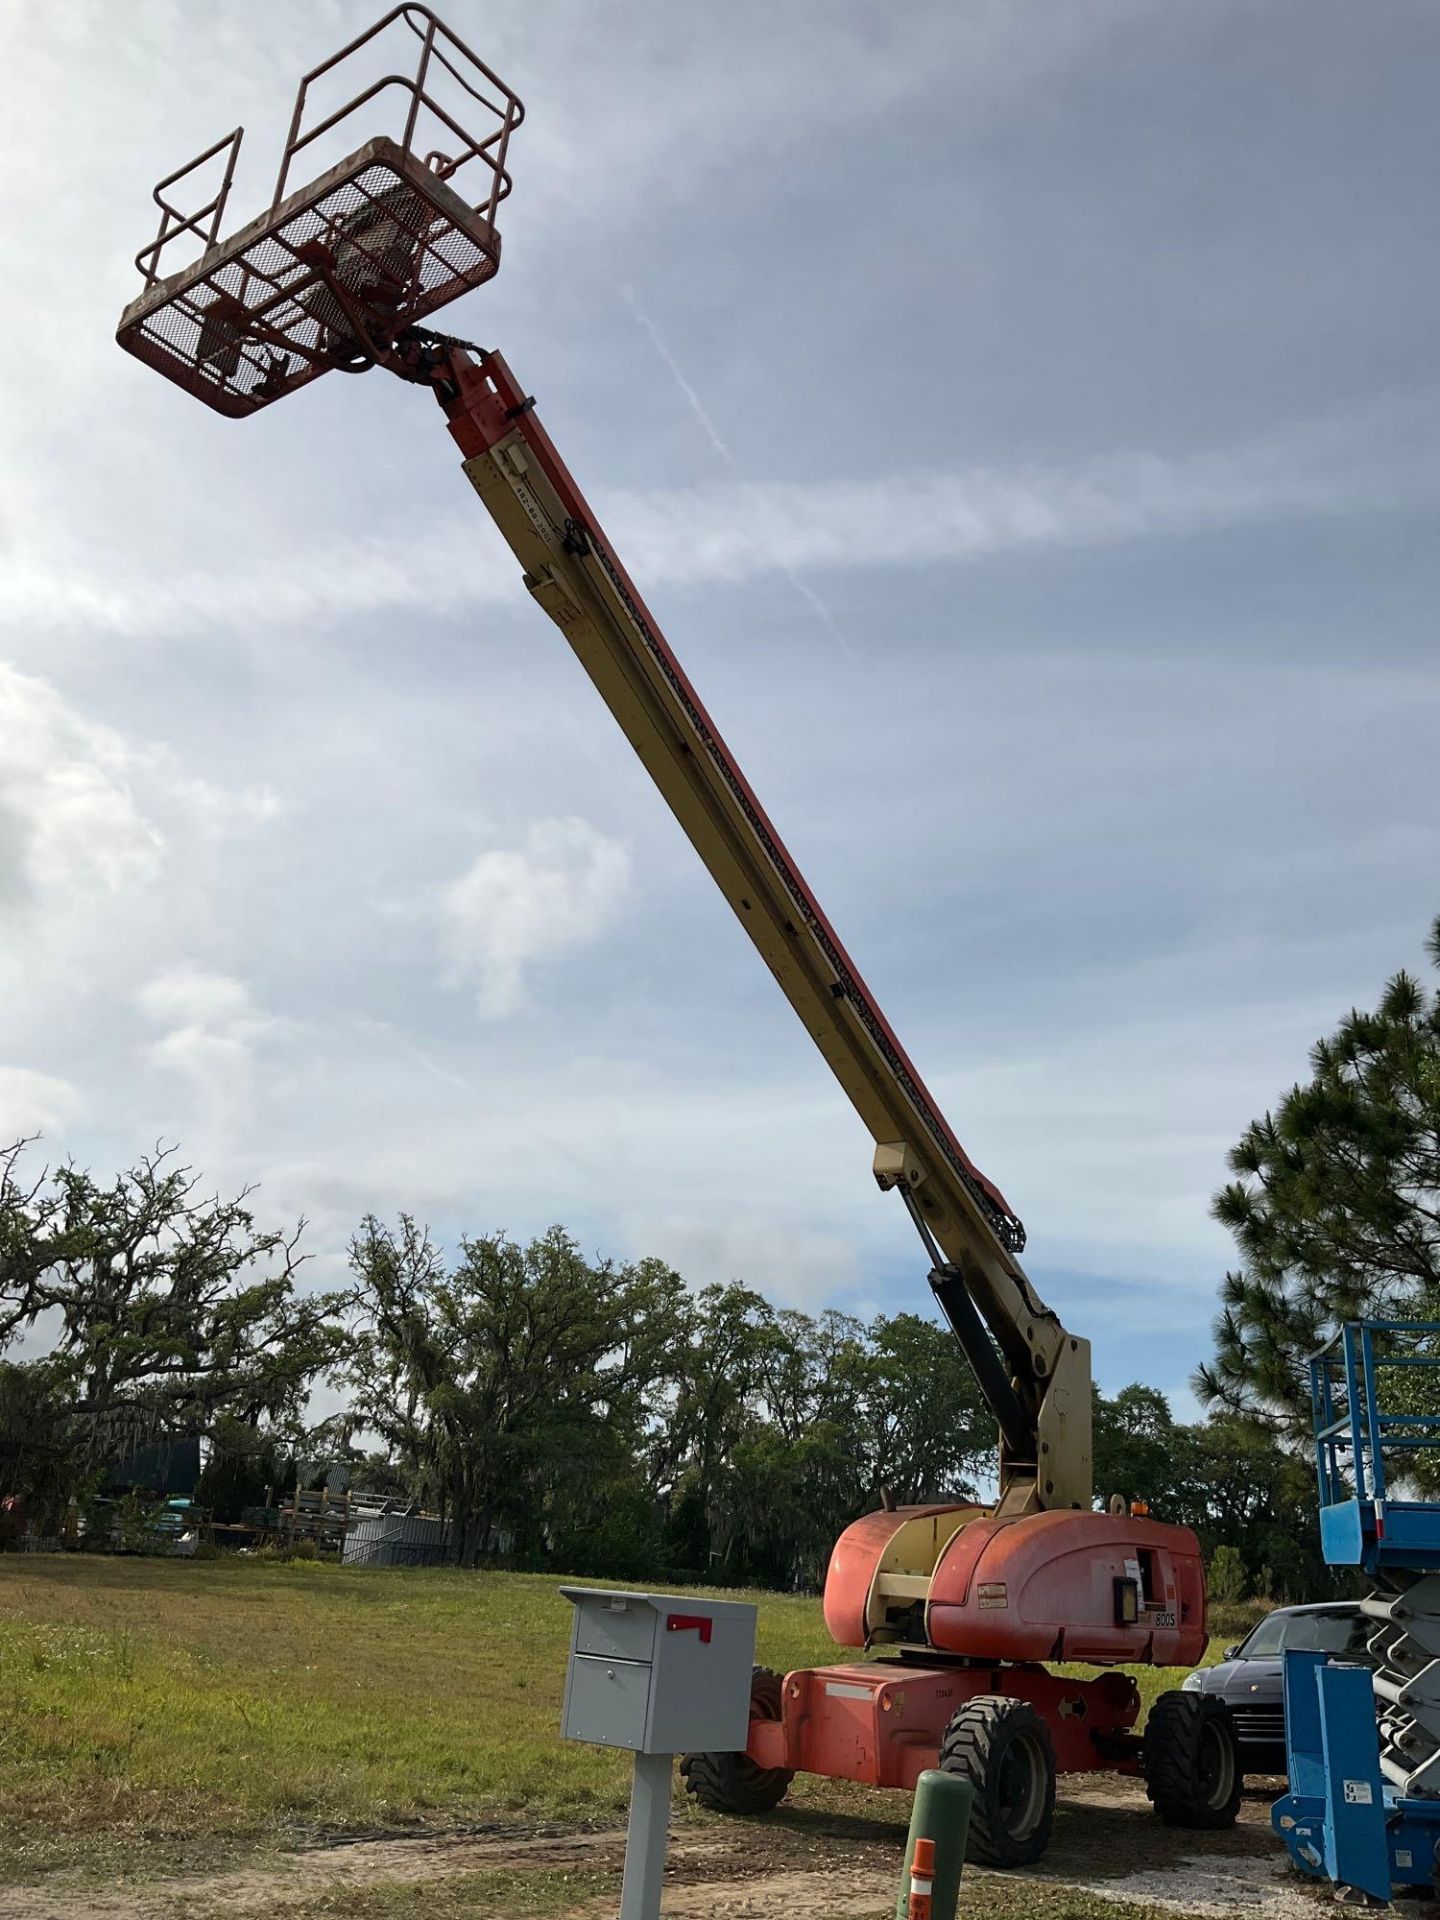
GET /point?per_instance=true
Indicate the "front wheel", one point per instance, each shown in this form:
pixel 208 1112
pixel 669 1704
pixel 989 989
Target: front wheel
pixel 731 1782
pixel 1191 1763
pixel 1003 1748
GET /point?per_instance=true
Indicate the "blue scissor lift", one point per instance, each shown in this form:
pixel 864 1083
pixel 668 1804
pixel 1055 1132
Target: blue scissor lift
pixel 1363 1807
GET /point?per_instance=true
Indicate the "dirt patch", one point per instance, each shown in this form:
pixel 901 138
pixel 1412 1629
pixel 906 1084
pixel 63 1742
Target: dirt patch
pixel 300 1876
pixel 802 1864
pixel 1107 1844
pixel 795 1896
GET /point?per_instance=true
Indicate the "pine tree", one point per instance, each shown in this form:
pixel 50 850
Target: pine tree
pixel 1335 1206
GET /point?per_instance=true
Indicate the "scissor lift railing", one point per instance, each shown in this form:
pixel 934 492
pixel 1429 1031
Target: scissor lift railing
pixel 1363 1738
pixel 379 240
pixel 1364 1441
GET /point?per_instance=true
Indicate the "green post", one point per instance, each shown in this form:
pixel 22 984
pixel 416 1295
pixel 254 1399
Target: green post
pixel 941 1813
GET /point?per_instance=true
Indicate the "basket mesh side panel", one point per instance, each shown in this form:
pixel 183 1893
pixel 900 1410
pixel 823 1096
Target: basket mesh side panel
pixel 395 248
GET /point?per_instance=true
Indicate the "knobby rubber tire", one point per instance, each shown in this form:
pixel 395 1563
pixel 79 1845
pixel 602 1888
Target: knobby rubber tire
pixel 1191 1761
pixel 1002 1746
pixel 731 1782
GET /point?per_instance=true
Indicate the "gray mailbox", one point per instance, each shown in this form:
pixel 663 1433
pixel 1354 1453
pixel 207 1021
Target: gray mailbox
pixel 657 1674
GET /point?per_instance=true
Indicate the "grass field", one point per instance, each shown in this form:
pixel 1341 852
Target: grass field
pixel 157 1714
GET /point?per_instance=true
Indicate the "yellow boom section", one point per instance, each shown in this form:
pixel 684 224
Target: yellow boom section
pixel 1039 1386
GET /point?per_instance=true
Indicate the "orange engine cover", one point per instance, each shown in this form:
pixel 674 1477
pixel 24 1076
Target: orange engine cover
pixel 1048 1586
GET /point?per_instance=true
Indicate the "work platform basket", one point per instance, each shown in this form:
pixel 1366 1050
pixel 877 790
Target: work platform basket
pixel 333 270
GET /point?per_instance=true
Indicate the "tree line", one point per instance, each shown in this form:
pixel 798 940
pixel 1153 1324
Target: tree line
pixel 603 1417
pixel 558 1410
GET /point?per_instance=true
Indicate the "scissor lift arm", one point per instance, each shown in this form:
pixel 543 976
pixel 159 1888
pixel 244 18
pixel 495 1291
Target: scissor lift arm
pixel 1034 1375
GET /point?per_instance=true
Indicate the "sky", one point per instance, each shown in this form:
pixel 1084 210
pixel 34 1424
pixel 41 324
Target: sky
pixel 1022 417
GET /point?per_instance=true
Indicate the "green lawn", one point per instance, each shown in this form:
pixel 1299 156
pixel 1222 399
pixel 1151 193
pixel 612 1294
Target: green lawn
pixel 158 1713
pixel 168 1703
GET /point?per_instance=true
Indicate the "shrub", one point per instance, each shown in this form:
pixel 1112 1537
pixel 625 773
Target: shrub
pixel 1225 1579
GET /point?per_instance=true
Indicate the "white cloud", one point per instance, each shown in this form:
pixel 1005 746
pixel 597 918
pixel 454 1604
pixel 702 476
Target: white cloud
pixel 514 907
pixel 741 529
pixel 33 1103
pixel 113 853
pixel 217 1065
pixel 57 585
pixel 189 997
pixel 68 819
pixel 736 531
pixel 78 799
pixel 767 1183
pixel 793 1266
pixel 213 1026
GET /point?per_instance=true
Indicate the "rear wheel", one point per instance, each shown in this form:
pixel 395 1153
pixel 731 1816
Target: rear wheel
pixel 1003 1748
pixel 731 1782
pixel 1192 1765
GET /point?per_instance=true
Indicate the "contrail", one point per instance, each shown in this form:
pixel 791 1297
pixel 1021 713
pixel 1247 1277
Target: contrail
pixel 713 435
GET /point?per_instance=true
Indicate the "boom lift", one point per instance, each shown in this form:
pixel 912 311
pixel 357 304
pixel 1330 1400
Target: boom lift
pixel 966 1601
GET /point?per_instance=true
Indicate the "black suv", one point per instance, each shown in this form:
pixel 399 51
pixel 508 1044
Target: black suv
pixel 1250 1677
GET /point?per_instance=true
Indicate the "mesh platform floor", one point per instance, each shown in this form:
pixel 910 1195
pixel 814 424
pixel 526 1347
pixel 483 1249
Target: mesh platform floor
pixel 402 242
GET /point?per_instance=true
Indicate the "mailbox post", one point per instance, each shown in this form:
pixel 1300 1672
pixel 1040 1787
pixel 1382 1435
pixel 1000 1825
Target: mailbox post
pixel 658 1674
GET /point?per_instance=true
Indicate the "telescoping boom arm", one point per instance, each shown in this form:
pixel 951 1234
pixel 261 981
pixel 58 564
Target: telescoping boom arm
pixel 1034 1375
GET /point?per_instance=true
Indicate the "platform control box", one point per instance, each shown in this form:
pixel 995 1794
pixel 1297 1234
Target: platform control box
pixel 659 1672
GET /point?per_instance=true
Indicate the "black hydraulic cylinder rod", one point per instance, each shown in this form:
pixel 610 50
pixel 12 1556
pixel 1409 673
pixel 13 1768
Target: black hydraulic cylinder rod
pixel 1017 1428
pixel 947 1283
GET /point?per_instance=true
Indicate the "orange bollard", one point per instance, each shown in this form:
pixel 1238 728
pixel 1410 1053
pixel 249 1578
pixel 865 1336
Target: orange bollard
pixel 922 1879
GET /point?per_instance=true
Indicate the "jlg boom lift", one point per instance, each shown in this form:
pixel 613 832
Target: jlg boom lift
pixel 964 1603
